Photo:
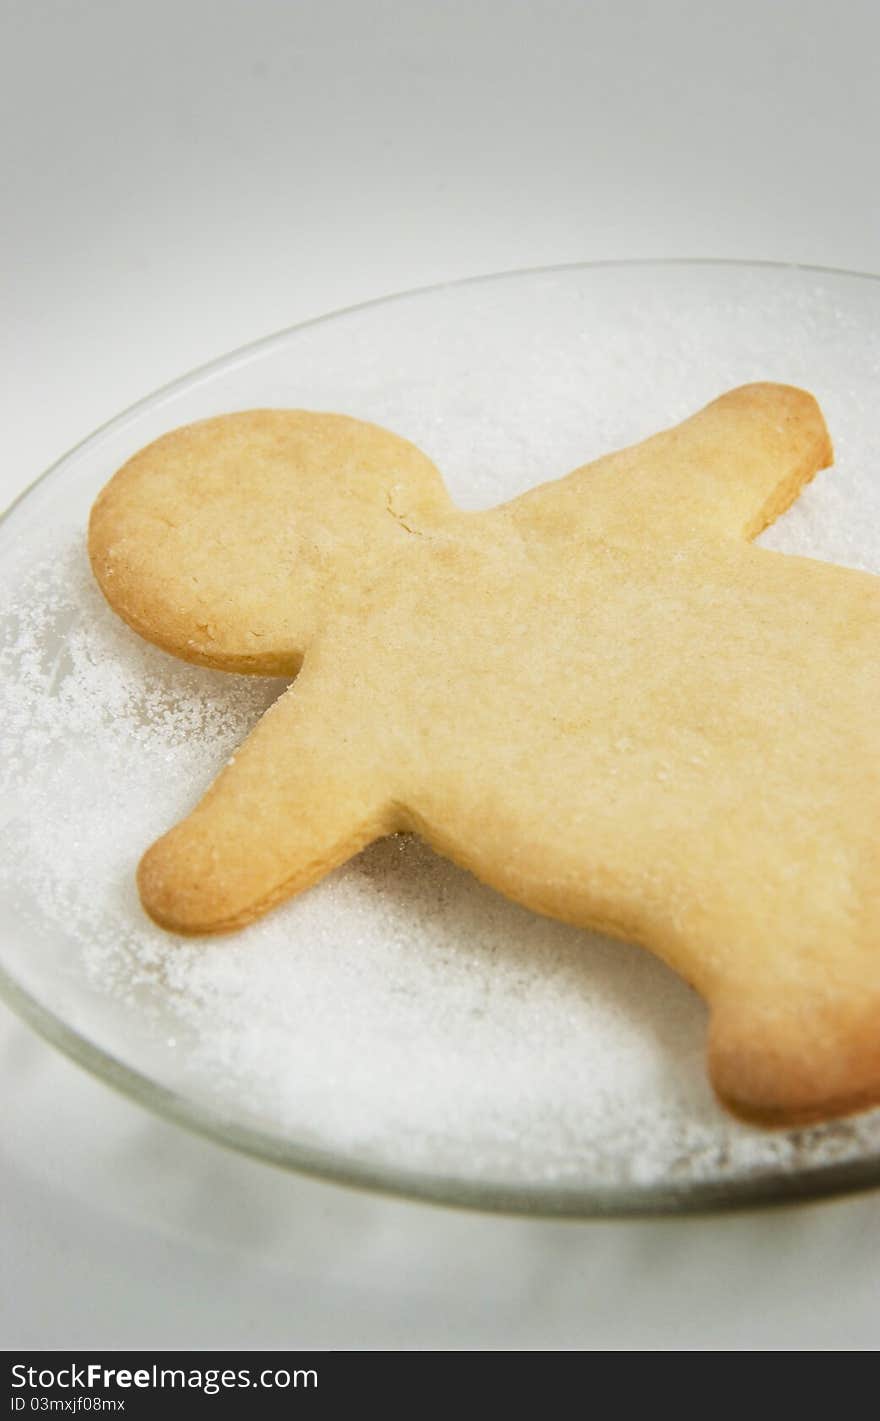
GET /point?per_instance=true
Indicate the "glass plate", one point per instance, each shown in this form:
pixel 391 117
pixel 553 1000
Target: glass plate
pixel 400 1026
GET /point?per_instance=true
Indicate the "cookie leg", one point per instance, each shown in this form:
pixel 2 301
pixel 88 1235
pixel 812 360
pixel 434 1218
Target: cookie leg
pixel 295 801
pixel 790 1062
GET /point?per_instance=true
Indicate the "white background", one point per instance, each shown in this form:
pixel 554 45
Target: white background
pixel 177 179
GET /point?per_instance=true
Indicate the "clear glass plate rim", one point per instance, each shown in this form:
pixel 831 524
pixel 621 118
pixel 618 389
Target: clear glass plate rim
pixel 771 1188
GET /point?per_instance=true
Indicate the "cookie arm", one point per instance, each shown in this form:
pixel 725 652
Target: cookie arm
pixel 295 801
pixel 731 469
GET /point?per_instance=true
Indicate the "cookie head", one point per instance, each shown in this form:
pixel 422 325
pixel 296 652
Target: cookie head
pixel 226 542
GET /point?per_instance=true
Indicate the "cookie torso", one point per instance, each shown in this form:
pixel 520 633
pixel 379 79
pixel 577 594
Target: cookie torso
pixel 691 714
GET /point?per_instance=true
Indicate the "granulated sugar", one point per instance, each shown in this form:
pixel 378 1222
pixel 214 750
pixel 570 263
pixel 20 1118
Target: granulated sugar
pixel 400 1014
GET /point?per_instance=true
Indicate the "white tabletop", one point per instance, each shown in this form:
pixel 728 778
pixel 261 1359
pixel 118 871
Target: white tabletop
pixel 178 180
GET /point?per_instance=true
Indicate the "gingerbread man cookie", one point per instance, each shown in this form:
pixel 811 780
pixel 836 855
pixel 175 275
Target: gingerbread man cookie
pixel 599 698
